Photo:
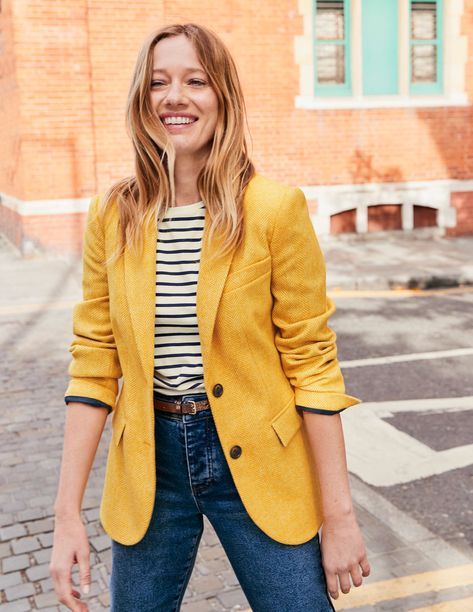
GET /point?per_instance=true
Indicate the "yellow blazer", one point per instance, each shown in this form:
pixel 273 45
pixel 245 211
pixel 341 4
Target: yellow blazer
pixel 262 312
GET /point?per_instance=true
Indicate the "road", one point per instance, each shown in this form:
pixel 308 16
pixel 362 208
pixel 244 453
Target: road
pixel 409 356
pixel 409 443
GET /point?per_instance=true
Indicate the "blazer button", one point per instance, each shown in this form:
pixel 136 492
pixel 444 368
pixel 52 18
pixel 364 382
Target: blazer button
pixel 218 390
pixel 235 452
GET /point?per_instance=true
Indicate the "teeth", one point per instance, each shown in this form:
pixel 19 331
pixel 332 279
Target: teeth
pixel 177 120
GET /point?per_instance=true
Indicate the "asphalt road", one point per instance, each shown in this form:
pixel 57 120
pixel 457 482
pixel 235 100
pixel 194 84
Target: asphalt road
pixel 433 482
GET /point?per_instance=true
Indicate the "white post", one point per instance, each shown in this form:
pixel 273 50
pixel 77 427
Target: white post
pixel 407 214
pixel 361 219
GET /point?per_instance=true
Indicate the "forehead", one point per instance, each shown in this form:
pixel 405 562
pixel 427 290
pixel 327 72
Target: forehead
pixel 176 53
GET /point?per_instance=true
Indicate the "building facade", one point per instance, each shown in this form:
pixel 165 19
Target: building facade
pixel 364 104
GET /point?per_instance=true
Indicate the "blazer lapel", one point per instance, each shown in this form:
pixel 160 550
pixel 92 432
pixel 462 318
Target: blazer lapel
pixel 140 285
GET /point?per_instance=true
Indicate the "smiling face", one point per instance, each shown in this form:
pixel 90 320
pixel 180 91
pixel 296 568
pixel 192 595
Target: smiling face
pixel 182 97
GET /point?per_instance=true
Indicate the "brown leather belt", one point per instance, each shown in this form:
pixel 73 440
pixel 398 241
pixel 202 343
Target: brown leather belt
pixel 181 406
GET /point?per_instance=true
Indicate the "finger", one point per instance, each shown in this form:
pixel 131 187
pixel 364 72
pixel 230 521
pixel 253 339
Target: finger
pixel 65 593
pixel 332 585
pixel 355 572
pixel 344 579
pixel 63 584
pixel 365 567
pixel 84 572
pixel 71 601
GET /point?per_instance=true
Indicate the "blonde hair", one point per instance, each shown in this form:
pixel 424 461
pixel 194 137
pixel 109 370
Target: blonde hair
pixel 145 197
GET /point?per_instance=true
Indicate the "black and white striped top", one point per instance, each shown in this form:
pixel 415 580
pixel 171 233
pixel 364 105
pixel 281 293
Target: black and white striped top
pixel 178 368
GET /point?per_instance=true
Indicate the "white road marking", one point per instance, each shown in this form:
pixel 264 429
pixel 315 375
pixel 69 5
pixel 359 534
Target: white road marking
pixel 382 455
pixel 369 361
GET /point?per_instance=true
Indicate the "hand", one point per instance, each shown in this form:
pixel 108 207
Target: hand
pixel 343 554
pixel 70 546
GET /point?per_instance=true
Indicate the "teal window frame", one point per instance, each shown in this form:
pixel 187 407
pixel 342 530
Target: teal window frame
pixel 343 89
pixel 428 88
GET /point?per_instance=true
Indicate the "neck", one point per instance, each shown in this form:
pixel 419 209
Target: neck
pixel 186 171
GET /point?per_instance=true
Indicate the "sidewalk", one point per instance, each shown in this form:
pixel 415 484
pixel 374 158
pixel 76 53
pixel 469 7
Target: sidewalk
pixel 409 562
pixel 391 260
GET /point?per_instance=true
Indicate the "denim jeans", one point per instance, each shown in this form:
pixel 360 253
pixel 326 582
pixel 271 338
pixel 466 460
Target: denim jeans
pixel 193 479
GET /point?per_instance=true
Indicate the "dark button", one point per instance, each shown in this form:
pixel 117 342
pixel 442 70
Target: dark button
pixel 235 452
pixel 218 390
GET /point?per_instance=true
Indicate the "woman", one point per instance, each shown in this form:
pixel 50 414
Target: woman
pixel 233 411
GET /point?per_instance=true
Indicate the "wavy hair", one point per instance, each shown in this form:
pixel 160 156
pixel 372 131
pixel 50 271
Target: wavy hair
pixel 145 197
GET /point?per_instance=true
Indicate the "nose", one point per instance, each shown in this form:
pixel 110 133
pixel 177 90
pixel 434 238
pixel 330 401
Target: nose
pixel 175 94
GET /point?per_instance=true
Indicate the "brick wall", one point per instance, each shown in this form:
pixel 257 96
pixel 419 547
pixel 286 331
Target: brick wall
pixel 66 68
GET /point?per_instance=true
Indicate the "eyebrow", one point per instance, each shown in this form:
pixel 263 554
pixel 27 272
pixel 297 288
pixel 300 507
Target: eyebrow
pixel 191 69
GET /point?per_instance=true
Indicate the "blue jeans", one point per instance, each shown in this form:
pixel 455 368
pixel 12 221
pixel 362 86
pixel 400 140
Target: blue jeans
pixel 193 479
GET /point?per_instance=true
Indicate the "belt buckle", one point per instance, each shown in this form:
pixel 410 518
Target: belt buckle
pixel 194 407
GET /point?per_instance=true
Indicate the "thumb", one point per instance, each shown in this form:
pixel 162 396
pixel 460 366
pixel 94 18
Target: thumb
pixel 84 573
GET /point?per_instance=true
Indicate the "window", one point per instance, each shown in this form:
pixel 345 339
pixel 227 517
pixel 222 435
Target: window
pixel 368 48
pixel 332 48
pixel 425 29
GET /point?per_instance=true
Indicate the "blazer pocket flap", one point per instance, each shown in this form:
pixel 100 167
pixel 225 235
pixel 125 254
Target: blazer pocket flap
pixel 286 423
pixel 243 276
pixel 117 431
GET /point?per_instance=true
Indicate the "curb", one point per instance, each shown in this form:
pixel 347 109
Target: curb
pixel 410 281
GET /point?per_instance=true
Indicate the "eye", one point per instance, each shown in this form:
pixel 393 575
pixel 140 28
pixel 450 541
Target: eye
pixel 198 82
pixel 156 83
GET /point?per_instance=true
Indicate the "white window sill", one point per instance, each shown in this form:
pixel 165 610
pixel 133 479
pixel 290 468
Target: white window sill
pixel 350 102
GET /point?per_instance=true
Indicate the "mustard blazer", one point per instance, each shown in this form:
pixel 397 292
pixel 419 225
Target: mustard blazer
pixel 262 312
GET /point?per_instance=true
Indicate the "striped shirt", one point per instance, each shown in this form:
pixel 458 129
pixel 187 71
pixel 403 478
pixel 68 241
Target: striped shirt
pixel 178 368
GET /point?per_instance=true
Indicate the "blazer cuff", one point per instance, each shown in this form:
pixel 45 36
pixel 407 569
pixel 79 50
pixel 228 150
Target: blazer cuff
pixel 92 387
pixel 324 402
pixel 87 400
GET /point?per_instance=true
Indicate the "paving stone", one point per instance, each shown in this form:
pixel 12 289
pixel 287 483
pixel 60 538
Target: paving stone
pixel 206 584
pixel 92 530
pixel 21 605
pixel 229 578
pixel 43 555
pixel 19 562
pixel 407 555
pixel 46 539
pixel 5 550
pixel 38 572
pixel 405 569
pixel 233 598
pixel 93 514
pixel 100 543
pixel 215 565
pixel 14 506
pixel 41 526
pixel 19 590
pixel 209 537
pixel 13 531
pixel 7 580
pixel 25 545
pixel 46 585
pixel 104 598
pixel 212 552
pixel 40 502
pixel 197 606
pixel 44 600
